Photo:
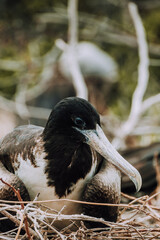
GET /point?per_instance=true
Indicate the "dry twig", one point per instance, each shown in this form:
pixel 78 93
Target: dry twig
pixel 17 193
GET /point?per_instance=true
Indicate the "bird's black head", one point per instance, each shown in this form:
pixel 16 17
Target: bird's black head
pixel 71 114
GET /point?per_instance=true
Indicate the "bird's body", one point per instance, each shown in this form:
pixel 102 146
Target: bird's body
pixel 65 158
pixel 24 154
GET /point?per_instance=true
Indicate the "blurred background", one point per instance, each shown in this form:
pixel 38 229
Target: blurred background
pixel 35 70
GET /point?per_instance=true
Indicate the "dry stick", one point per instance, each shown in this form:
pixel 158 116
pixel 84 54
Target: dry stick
pixel 35 224
pixel 131 203
pixel 11 217
pixel 72 200
pixel 151 197
pixel 133 198
pixel 151 212
pixel 82 202
pixel 58 233
pixel 20 227
pixel 125 231
pixel 121 233
pixel 157 168
pixel 10 231
pixel 154 237
pixel 67 227
pixel 137 232
pixel 17 192
pixel 17 222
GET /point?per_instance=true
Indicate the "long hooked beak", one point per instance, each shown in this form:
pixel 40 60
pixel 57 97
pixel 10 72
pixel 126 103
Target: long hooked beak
pixel 97 140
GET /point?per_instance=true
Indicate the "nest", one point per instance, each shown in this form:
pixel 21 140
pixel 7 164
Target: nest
pixel 139 218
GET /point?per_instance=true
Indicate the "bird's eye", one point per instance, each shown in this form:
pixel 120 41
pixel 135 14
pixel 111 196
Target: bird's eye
pixel 79 122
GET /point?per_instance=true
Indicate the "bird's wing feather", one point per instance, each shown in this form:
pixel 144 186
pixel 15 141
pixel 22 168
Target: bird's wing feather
pixel 21 141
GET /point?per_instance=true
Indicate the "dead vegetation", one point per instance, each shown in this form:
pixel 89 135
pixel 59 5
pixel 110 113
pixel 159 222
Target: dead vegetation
pixel 138 219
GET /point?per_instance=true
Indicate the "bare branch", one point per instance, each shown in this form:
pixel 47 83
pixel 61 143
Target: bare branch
pixel 143 73
pixel 149 102
pixel 34 112
pixel 73 22
pixel 24 216
pixel 146 130
pixel 108 31
pixel 16 221
pixel 20 99
pixel 12 65
pixel 77 78
pixel 143 77
pixel 46 75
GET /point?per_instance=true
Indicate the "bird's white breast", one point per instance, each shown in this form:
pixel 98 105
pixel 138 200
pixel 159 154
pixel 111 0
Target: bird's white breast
pixel 35 181
pixel 33 177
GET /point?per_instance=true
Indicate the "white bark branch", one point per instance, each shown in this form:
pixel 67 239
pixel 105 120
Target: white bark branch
pixel 143 72
pixel 150 101
pixel 46 75
pixel 34 112
pixel 20 100
pixel 143 76
pixel 75 71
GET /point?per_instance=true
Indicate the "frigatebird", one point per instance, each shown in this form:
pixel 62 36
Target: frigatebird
pixel 70 158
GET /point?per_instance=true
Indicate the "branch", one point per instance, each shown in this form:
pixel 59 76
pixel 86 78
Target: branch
pixel 143 77
pixel 20 99
pixel 146 130
pixel 143 73
pixel 34 112
pixel 149 102
pixel 46 75
pixel 17 193
pixel 12 65
pixel 108 31
pixel 77 78
pixel 16 221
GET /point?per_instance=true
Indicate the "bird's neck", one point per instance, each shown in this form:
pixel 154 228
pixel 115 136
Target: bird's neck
pixel 67 162
pixel 104 187
pixel 111 177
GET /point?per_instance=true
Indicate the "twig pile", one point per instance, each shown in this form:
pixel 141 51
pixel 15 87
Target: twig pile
pixel 139 219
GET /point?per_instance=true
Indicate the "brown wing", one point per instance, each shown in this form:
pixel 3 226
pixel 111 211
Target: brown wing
pixel 21 141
